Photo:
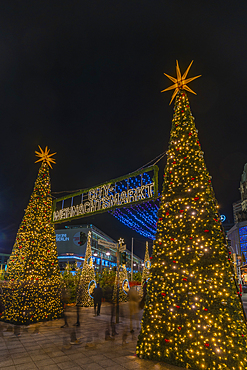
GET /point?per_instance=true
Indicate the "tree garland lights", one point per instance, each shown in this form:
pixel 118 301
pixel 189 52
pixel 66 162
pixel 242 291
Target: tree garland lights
pixel 87 279
pixel 31 292
pixel 193 316
pixel 123 285
pixel 147 265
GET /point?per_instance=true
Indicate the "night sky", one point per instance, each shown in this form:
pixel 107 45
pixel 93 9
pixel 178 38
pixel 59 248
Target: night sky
pixel 84 78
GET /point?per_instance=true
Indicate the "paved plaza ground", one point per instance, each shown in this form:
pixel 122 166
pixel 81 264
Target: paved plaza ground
pixel 47 346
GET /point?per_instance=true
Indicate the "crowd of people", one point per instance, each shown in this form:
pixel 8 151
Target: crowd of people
pixel 132 310
pixel 135 305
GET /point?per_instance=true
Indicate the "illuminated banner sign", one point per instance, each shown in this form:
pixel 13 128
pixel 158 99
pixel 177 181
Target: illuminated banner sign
pixel 134 188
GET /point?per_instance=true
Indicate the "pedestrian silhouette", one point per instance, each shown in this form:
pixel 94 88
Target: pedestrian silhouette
pixel 134 308
pixel 97 298
pixel 65 296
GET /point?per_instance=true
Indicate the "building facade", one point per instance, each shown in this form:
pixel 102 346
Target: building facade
pixel 238 233
pixel 237 209
pixel 3 260
pixel 72 242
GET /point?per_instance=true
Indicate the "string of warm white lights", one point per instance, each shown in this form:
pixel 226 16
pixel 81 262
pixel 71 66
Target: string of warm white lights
pixel 193 316
pixel 32 289
pixel 87 278
pixel 147 265
pixel 123 285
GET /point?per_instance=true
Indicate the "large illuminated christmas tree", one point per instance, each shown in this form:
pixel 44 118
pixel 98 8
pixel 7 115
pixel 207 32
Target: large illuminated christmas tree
pixel 193 316
pixel 146 267
pixel 87 278
pixel 33 280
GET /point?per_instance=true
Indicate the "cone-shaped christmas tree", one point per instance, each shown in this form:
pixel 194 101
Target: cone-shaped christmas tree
pixel 146 268
pixel 193 316
pixel 33 278
pixel 123 285
pixel 87 279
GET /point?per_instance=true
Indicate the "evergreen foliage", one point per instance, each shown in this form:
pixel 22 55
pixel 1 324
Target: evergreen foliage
pixel 123 285
pixel 193 316
pixel 107 280
pixel 70 281
pixel 2 273
pixel 31 292
pixel 137 276
pixel 87 279
pixel 146 267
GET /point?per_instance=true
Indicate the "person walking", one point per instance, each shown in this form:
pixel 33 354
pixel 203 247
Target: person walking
pixel 78 304
pixel 65 296
pixel 133 308
pixel 144 294
pixel 97 298
pixel 108 295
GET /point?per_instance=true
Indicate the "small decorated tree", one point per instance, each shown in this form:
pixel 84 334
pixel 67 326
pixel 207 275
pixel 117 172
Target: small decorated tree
pixel 31 292
pixel 193 316
pixel 123 285
pixel 146 268
pixel 70 280
pixel 2 272
pixel 87 279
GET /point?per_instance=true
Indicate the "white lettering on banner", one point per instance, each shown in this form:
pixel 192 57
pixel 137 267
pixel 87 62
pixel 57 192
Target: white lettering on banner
pixel 105 197
pixel 62 237
pixel 87 207
pixel 131 197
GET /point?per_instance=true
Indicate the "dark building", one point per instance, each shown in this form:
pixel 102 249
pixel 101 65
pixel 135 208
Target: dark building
pixel 3 260
pixel 238 233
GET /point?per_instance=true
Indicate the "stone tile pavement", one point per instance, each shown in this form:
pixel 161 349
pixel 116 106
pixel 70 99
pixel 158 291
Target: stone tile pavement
pixel 46 346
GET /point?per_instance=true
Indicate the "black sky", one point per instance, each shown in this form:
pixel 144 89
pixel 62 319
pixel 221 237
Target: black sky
pixel 84 78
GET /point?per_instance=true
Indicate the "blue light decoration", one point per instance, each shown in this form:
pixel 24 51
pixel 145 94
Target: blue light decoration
pixel 222 218
pixel 89 286
pixel 243 240
pixel 96 261
pixel 142 217
pixel 73 257
pixel 126 281
pixel 147 264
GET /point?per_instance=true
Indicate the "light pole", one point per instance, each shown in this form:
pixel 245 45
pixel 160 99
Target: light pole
pixel 132 250
pixel 120 242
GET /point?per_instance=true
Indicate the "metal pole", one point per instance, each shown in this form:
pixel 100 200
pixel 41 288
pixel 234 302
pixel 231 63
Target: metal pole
pixel 132 248
pixel 101 261
pixel 119 248
pixel 117 306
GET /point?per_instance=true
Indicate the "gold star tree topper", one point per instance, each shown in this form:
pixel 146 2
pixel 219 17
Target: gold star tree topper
pixel 45 156
pixel 180 83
